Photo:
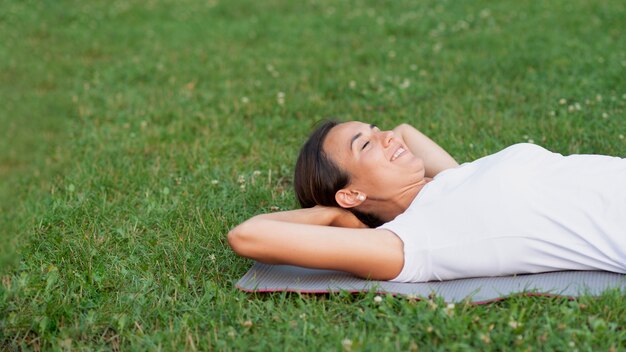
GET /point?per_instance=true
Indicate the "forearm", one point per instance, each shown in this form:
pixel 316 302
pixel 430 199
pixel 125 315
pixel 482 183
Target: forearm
pixel 436 159
pixel 310 216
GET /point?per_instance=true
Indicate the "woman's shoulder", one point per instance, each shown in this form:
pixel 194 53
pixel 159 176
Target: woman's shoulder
pixel 522 148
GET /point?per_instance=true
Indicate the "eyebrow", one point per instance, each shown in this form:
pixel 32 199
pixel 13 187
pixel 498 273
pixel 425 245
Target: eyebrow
pixel 358 135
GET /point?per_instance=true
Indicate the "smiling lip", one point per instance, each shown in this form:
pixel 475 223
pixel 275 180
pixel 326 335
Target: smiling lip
pixel 397 154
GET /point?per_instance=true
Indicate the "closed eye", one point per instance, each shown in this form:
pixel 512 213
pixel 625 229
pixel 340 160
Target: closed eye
pixel 365 145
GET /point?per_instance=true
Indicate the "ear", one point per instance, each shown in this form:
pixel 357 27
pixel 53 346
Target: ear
pixel 349 199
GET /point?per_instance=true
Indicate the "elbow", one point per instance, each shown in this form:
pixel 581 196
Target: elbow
pixel 244 239
pixel 237 240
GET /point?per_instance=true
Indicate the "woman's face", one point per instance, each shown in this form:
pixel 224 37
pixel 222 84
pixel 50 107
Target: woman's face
pixel 379 163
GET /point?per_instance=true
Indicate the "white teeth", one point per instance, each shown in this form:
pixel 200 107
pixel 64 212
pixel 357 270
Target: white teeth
pixel 397 153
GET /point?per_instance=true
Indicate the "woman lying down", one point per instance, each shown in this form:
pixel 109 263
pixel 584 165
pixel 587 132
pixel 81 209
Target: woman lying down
pixel 393 205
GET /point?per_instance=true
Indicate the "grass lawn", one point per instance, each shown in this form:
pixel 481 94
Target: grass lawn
pixel 135 134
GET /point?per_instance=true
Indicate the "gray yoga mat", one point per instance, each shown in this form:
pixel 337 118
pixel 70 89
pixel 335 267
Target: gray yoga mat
pixel 272 278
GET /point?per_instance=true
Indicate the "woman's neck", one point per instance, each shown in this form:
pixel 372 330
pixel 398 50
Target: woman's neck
pixel 388 209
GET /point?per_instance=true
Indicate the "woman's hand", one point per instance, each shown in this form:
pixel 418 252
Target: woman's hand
pixel 344 218
pixel 436 159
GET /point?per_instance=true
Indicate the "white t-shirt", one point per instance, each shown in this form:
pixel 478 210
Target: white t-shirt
pixel 521 210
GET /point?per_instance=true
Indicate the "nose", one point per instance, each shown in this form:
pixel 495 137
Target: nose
pixel 386 137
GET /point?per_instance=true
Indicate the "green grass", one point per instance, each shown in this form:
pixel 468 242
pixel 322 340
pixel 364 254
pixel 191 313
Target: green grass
pixel 132 132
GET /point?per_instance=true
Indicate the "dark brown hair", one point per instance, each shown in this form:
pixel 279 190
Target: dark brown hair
pixel 317 178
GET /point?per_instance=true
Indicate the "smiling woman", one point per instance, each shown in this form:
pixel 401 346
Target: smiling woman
pixel 393 205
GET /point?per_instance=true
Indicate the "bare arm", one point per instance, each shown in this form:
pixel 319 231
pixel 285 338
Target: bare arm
pixel 310 238
pixel 436 159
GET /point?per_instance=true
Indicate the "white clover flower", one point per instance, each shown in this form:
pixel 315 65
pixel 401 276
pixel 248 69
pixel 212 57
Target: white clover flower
pixel 598 98
pixel 245 100
pixel 605 115
pixel 256 173
pixel 241 179
pixel 280 98
pixel 562 101
pixel 214 182
pixel 352 84
pixel 485 338
pixel 513 324
pixel 414 67
pixel 347 344
pixel 405 84
pixel 378 299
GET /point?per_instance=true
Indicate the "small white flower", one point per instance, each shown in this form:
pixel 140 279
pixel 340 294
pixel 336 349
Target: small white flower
pixel 577 106
pixel 552 113
pixel 347 344
pixel 405 84
pixel 570 108
pixel 530 140
pixel 513 324
pixel 245 100
pixel 450 306
pixel 562 101
pixel 256 173
pixel 378 299
pixel 241 179
pixel 598 98
pixel 280 98
pixel 621 136
pixel 605 115
pixel 352 84
pixel 391 54
pixel 414 67
pixel 214 182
